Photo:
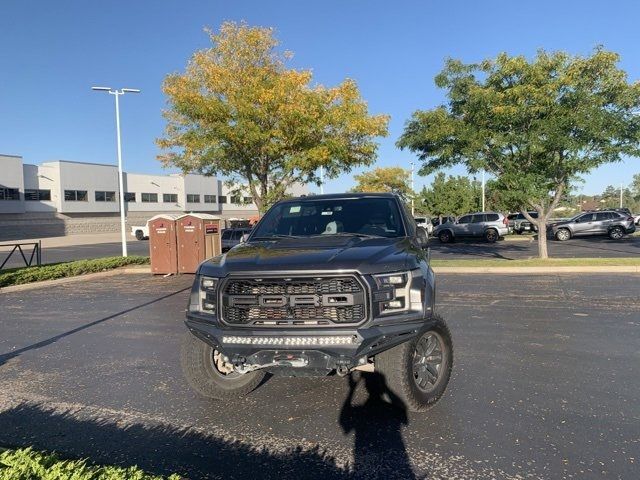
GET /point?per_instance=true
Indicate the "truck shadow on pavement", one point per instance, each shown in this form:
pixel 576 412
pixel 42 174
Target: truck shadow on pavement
pixel 5 357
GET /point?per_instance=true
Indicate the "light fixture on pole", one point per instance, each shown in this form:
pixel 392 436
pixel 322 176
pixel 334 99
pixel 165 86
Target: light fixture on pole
pixel 116 93
pixel 321 180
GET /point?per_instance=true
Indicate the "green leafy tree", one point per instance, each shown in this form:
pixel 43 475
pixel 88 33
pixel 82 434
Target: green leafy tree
pixel 239 111
pixel 452 195
pixel 387 179
pixel 533 124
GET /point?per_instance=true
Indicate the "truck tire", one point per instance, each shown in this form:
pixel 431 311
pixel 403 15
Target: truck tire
pixel 139 235
pixel 199 363
pixel 491 235
pixel 412 371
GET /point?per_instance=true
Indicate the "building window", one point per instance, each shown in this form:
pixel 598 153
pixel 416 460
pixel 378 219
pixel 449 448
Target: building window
pixel 75 196
pixel 105 196
pixel 130 197
pixel 9 193
pixel 170 197
pixel 222 199
pixel 209 199
pixel 193 198
pixel 149 197
pixel 33 195
pixel 235 200
pixel 248 199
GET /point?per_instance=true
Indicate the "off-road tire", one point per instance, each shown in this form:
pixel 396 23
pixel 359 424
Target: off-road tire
pixel 139 235
pixel 563 234
pixel 616 233
pixel 396 366
pixel 491 235
pixel 197 363
pixel 445 236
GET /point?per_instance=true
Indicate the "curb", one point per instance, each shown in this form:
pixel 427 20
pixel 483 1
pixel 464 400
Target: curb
pixel 547 270
pixel 77 278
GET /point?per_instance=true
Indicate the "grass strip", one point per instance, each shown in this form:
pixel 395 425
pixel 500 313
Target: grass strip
pixel 538 262
pixel 28 464
pixel 19 276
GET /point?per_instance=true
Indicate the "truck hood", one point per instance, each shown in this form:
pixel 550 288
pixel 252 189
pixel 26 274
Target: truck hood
pixel 331 253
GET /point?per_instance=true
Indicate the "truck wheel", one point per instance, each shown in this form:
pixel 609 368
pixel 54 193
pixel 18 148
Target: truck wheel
pixel 563 234
pixel 616 233
pixel 417 372
pixel 209 375
pixel 139 235
pixel 445 236
pixel 491 235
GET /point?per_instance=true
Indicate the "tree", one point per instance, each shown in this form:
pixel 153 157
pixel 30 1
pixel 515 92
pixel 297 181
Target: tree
pixel 450 195
pixel 388 179
pixel 535 125
pixel 239 111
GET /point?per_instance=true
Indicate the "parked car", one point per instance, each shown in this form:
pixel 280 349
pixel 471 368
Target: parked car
pixel 521 224
pixel 232 237
pixel 435 221
pixel 605 222
pixel 488 225
pixel 141 232
pixel 424 222
pixel 326 283
pixel 636 219
pixel 511 220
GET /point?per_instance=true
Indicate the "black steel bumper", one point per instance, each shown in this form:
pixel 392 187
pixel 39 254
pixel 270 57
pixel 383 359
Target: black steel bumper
pixel 365 342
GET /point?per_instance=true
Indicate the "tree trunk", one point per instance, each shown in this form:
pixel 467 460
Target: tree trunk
pixel 542 240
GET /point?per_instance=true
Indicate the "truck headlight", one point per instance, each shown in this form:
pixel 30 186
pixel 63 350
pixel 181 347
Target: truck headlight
pixel 208 294
pixel 395 293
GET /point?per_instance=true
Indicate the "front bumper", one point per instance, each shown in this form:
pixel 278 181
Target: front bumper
pixel 275 347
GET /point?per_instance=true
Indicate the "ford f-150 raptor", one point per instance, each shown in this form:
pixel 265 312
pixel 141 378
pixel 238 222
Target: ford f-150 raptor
pixel 323 284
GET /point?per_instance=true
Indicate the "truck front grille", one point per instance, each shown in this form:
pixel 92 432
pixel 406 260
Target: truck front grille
pixel 293 301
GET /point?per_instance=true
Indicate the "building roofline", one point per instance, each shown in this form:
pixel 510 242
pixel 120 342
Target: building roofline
pixel 10 155
pixel 80 163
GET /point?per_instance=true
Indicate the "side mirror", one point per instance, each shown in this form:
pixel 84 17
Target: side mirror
pixel 422 237
pixel 244 238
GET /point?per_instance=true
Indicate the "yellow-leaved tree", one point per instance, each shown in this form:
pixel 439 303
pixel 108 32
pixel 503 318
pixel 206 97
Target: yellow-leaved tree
pixel 238 111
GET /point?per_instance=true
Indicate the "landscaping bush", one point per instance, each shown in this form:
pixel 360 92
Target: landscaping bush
pixel 18 276
pixel 27 464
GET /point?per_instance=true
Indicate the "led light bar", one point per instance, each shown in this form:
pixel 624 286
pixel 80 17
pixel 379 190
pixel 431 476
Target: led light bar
pixel 291 341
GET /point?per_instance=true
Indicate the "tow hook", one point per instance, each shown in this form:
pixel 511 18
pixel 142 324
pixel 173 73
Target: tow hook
pixel 342 370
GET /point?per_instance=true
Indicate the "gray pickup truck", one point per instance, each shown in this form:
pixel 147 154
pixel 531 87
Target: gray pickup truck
pixel 323 284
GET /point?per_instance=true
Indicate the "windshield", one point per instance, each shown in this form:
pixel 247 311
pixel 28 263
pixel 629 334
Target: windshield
pixel 360 216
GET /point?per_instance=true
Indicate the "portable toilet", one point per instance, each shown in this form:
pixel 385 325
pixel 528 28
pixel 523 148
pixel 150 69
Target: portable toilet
pixel 198 236
pixel 163 245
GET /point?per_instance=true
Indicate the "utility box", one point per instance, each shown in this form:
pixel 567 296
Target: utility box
pixel 198 236
pixel 163 245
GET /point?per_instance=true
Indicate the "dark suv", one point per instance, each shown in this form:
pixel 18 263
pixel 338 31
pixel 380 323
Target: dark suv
pixel 604 222
pixel 328 283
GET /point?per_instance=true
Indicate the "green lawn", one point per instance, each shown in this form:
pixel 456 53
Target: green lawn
pixel 18 276
pixel 536 262
pixel 27 464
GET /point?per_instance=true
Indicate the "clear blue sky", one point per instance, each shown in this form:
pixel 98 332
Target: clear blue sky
pixel 51 53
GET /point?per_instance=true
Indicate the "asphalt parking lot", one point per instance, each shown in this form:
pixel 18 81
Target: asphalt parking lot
pixel 545 385
pixel 462 249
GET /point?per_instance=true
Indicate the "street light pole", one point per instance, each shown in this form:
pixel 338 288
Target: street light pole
pixel 116 93
pixel 413 210
pixel 483 190
pixel 321 180
pixel 621 187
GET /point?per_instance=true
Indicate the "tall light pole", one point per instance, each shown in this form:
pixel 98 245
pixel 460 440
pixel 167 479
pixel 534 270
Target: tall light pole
pixel 413 209
pixel 621 187
pixel 483 190
pixel 116 93
pixel 321 180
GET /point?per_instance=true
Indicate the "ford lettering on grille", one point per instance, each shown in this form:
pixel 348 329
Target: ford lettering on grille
pixel 293 301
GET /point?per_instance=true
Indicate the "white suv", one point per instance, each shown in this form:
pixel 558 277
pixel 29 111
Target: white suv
pixel 424 222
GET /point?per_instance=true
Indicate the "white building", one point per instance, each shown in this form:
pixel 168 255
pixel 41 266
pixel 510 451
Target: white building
pixel 62 197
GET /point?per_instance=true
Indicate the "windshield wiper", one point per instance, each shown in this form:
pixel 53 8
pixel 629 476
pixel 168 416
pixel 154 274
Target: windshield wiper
pixel 275 236
pixel 351 234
